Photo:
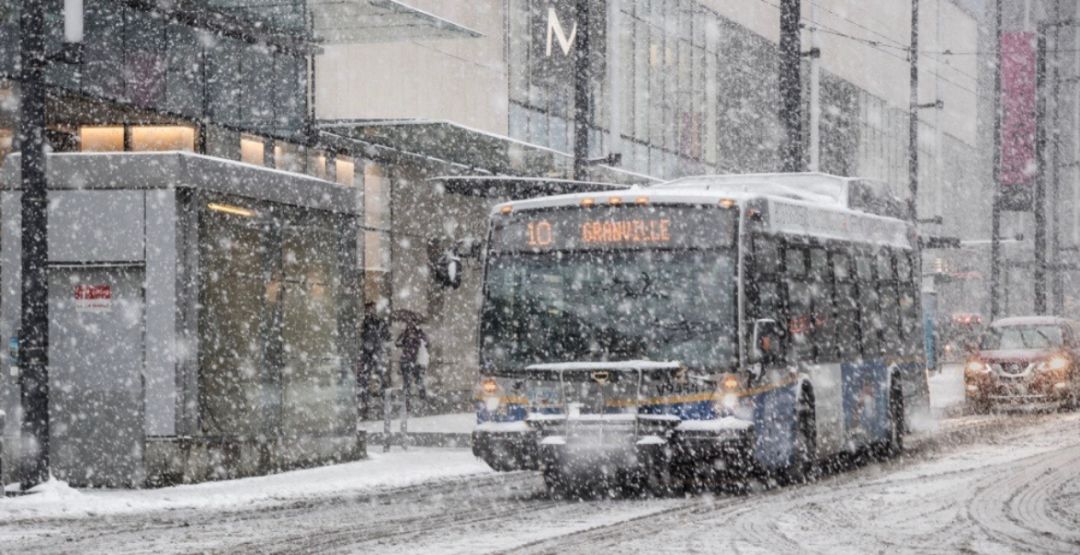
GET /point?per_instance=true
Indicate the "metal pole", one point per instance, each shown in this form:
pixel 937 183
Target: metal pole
pixel 791 155
pixel 1039 206
pixel 615 74
pixel 995 219
pixel 34 328
pixel 582 86
pixel 1056 284
pixel 913 114
pixel 815 93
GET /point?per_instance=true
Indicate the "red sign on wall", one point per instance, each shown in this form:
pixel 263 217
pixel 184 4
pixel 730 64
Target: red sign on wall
pixel 93 298
pixel 1018 124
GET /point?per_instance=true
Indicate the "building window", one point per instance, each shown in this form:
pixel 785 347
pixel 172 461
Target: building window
pixel 316 164
pixel 376 197
pixel 102 139
pixel 288 157
pixel 163 137
pixel 252 150
pixel 344 171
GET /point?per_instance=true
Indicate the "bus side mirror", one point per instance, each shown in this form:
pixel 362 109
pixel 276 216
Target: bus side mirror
pixel 768 343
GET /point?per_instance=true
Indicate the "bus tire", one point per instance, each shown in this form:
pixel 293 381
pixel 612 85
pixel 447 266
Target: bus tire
pixel 894 441
pixel 802 467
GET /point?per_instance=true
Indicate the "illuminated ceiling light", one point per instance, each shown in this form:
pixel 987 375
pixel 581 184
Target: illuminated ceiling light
pixel 614 201
pixel 230 209
pixel 641 200
pixel 588 201
pixel 727 203
pixel 506 210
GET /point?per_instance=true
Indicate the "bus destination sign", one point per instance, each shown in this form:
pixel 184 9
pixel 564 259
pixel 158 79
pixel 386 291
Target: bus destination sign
pixel 629 227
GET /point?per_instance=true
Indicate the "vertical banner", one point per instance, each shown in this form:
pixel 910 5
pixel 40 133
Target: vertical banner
pixel 1019 165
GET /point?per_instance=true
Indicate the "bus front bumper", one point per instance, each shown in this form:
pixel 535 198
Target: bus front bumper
pixel 622 443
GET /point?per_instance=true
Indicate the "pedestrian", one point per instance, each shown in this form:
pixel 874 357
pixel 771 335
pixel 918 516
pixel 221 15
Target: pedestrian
pixel 374 335
pixel 414 358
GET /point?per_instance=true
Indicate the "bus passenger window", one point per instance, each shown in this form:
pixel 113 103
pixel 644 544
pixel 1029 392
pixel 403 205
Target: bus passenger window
pixel 795 262
pixel 766 256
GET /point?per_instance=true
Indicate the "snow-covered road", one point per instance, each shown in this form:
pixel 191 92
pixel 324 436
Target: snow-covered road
pixel 1013 487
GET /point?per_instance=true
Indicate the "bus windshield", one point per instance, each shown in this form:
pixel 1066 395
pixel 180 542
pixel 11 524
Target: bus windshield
pixel 610 305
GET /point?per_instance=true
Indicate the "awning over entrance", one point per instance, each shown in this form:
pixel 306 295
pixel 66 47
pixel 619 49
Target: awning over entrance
pixel 497 154
pixel 360 21
pixel 517 188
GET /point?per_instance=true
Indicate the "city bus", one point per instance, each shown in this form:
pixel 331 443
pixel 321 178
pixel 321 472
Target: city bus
pixel 748 322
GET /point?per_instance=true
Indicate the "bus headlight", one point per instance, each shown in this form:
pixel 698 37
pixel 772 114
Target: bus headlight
pixel 489 394
pixel 729 399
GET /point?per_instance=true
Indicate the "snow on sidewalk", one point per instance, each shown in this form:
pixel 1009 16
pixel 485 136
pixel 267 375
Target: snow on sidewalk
pixel 456 423
pixel 381 470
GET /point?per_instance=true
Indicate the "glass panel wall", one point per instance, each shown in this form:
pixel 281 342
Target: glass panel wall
pixel 272 303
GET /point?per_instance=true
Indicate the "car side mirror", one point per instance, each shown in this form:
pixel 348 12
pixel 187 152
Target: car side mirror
pixel 768 343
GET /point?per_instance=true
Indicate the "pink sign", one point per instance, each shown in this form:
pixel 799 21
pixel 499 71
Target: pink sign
pixel 1018 102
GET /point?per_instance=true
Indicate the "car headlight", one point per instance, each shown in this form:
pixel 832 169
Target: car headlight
pixel 1055 363
pixel 976 366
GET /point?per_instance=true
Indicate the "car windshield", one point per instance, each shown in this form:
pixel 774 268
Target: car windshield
pixel 1022 337
pixel 610 305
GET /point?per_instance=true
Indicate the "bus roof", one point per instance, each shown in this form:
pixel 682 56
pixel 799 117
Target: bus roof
pixel 812 204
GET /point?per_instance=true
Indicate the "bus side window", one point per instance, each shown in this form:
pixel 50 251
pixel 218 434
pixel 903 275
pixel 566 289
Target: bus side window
pixel 822 287
pixel 766 256
pixel 890 304
pixel 870 321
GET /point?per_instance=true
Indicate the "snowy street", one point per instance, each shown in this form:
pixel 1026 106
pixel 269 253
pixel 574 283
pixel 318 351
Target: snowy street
pixel 1008 483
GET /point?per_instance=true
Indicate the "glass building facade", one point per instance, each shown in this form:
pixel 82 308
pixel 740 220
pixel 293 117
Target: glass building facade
pixel 698 94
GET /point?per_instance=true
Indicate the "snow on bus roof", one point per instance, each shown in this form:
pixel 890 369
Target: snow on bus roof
pixel 815 188
pixel 1030 321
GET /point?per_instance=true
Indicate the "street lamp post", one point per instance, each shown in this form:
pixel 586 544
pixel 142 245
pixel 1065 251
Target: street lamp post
pixel 34 326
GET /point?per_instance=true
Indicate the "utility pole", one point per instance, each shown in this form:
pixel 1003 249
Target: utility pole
pixel 913 115
pixel 995 218
pixel 791 153
pixel 582 90
pixel 34 327
pixel 815 91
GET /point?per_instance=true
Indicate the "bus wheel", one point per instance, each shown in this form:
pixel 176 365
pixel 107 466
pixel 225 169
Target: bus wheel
pixel 803 464
pixel 894 441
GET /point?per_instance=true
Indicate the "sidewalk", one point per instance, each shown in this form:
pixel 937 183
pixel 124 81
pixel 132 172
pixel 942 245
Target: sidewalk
pixel 443 430
pixel 398 468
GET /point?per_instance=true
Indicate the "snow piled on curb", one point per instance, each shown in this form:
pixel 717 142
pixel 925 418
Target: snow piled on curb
pixel 55 499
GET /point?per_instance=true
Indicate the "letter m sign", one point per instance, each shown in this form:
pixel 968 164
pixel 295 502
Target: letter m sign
pixel 555 32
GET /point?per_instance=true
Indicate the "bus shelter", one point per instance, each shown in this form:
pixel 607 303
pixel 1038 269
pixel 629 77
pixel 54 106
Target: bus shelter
pixel 203 318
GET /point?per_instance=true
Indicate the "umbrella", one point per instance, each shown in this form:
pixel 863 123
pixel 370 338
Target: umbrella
pixel 407 316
